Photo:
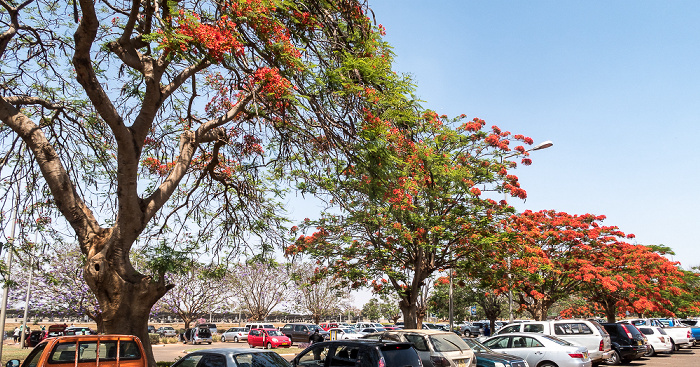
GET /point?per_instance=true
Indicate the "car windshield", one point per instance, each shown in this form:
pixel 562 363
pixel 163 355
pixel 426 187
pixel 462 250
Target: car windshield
pixel 556 340
pixel 315 327
pixel 168 328
pixel 448 342
pixel 274 333
pixel 476 346
pixel 261 360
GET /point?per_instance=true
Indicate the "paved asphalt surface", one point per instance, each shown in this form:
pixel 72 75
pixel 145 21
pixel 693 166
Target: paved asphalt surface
pixel 682 358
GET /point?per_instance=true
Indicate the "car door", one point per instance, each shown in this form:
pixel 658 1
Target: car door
pixel 315 356
pixel 255 338
pixel 421 346
pixel 528 348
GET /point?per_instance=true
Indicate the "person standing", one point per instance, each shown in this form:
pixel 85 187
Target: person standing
pixel 16 334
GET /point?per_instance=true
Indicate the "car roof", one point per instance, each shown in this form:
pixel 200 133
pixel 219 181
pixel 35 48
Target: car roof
pixel 234 351
pixel 419 331
pixel 361 342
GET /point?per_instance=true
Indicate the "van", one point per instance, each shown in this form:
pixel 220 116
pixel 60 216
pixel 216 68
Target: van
pixel 70 351
pixel 259 325
pixel 588 333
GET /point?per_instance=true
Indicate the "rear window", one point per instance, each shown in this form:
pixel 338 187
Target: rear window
pixel 533 328
pixel 572 328
pixel 260 360
pixel 646 330
pixel 400 355
pixel 448 342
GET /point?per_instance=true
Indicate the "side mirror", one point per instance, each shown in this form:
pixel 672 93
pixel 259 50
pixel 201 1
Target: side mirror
pixel 12 363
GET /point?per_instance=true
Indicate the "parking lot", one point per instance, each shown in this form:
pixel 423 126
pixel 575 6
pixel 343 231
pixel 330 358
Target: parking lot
pixel 682 358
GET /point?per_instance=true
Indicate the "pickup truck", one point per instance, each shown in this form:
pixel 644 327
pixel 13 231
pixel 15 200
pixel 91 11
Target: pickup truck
pixel 681 336
pixel 100 350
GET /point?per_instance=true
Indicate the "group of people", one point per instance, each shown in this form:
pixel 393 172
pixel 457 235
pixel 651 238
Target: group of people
pixel 18 333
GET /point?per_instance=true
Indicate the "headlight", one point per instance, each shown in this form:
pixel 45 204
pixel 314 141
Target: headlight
pixel 274 340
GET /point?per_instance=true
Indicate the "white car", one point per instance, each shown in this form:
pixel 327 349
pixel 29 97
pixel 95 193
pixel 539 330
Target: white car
pixel 540 349
pixel 659 341
pixel 235 334
pixel 345 333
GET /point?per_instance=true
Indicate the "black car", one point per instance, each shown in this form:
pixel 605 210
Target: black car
pixel 301 332
pixel 627 342
pixel 485 357
pixel 361 352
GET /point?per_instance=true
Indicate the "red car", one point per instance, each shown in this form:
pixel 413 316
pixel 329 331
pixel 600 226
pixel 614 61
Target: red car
pixel 268 338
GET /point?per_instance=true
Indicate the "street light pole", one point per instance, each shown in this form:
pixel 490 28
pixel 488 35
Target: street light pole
pixel 543 145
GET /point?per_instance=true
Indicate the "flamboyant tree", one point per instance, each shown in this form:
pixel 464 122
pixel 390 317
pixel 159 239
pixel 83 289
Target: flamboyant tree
pixel 635 279
pixel 417 202
pixel 127 116
pixel 545 257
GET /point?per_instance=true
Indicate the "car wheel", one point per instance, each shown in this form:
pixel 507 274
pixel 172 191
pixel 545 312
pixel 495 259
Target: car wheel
pixel 674 347
pixel 208 343
pixel 223 339
pixel 650 352
pixel 547 364
pixel 250 346
pixel 269 345
pixel 235 339
pixel 614 359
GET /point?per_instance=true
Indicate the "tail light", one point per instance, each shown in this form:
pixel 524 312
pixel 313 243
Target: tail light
pixel 440 361
pixel 663 340
pixel 689 334
pixel 576 355
pixel 381 363
pixel 629 335
pixel 601 346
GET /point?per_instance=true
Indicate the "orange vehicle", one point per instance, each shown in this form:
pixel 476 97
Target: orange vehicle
pixel 92 350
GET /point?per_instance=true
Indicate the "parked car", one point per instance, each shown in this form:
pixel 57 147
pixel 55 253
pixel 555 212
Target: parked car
pixel 344 333
pixel 197 335
pixel 235 334
pixel 82 350
pixel 151 329
pixel 166 331
pixel 268 338
pixel 365 353
pixel 584 332
pixel 436 348
pixel 628 342
pixel 470 329
pixel 657 338
pixel 485 357
pixel 681 336
pixel 329 325
pixel 78 330
pixel 365 325
pixel 212 328
pixel 56 330
pixel 259 325
pixel 540 350
pixel 301 332
pixel 232 357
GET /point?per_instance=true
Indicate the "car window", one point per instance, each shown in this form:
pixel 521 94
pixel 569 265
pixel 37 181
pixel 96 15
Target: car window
pixel 557 340
pixel 532 343
pixel 189 361
pixel 34 356
pixel 212 360
pixel 314 357
pixel 274 333
pixel 260 360
pixel 646 330
pixel 345 356
pixel 510 329
pixel 448 342
pixel 662 331
pixel 255 332
pixel 572 328
pixel 418 342
pixel 533 328
pixel 62 353
pixel 401 356
pixel 497 343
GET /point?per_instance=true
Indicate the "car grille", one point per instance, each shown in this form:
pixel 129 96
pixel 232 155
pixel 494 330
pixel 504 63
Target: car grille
pixel 518 364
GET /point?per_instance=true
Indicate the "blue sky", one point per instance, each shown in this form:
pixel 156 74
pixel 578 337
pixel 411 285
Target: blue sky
pixel 614 84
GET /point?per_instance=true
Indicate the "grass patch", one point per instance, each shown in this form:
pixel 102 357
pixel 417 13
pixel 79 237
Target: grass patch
pixel 13 352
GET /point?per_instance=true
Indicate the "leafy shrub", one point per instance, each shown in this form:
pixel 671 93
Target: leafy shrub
pixel 154 338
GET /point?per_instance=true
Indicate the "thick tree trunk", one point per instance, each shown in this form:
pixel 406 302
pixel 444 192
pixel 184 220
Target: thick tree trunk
pixel 410 314
pixel 125 297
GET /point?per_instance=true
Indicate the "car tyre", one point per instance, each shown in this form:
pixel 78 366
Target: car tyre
pixel 614 359
pixel 235 339
pixel 223 339
pixel 651 352
pixel 674 347
pixel 250 346
pixel 547 364
pixel 269 345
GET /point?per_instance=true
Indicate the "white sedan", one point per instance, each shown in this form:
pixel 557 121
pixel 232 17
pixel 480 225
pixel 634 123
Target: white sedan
pixel 540 350
pixel 659 341
pixel 345 333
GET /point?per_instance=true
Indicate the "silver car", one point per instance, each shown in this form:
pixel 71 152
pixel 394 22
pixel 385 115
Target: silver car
pixel 540 350
pixel 235 334
pixel 435 347
pixel 232 357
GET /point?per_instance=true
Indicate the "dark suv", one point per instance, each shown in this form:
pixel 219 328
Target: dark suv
pixel 627 342
pixel 360 353
pixel 301 332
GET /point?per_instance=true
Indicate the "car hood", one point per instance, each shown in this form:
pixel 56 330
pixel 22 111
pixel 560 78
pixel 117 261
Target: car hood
pixel 497 357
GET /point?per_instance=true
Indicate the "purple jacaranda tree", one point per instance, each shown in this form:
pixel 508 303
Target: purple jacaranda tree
pixel 261 286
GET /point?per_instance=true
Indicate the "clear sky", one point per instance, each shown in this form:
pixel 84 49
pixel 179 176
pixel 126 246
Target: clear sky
pixel 614 84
